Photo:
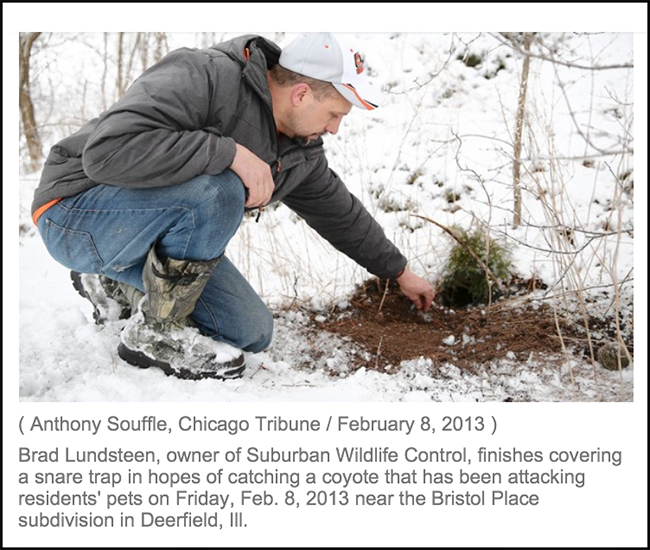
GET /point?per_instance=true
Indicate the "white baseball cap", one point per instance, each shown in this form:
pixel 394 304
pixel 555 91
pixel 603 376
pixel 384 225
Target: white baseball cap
pixel 326 57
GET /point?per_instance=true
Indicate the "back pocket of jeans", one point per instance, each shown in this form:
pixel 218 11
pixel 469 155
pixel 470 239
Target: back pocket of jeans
pixel 73 249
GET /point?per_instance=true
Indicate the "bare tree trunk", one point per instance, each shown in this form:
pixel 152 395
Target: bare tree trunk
pixel 104 71
pixel 120 64
pixel 161 46
pixel 144 51
pixel 25 101
pixel 521 112
pixel 140 38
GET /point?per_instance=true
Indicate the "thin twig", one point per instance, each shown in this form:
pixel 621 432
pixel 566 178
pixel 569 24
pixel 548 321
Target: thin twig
pixel 383 298
pixel 378 352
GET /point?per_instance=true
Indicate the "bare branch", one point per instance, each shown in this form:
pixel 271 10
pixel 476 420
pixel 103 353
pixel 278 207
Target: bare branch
pixel 517 47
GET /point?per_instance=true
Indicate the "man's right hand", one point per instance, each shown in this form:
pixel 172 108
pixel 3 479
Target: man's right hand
pixel 255 174
pixel 416 289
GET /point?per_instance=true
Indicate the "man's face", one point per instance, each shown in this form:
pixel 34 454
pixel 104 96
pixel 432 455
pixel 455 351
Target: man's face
pixel 312 118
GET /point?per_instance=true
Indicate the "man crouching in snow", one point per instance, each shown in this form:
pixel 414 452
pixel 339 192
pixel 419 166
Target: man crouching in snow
pixel 142 201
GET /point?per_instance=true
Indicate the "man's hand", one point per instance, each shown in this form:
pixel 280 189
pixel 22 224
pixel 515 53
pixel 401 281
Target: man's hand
pixel 255 174
pixel 416 289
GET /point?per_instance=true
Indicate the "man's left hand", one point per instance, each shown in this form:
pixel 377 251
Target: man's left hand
pixel 416 289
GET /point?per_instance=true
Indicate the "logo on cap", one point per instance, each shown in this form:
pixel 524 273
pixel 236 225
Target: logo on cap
pixel 358 63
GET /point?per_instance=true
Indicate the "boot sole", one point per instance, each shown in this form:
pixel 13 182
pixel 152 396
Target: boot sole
pixel 99 318
pixel 79 287
pixel 231 370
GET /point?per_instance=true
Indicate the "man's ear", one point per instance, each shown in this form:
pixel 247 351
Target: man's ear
pixel 299 92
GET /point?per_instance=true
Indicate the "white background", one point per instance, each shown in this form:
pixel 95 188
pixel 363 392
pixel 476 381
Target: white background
pixel 612 508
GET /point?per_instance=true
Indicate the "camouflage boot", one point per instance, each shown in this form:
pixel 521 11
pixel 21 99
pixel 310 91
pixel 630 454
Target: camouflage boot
pixel 160 334
pixel 107 296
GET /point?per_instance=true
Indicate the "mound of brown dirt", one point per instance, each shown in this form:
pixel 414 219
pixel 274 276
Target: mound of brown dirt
pixel 385 323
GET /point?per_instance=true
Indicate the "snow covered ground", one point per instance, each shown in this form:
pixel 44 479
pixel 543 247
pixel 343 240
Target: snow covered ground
pixel 441 148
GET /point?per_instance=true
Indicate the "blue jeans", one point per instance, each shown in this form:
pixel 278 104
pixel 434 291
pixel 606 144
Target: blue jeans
pixel 110 230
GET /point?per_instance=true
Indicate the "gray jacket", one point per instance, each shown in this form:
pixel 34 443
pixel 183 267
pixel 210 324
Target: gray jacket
pixel 182 118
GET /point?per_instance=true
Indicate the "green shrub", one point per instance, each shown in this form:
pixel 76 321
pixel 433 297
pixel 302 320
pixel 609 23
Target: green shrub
pixel 464 281
pixel 471 59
